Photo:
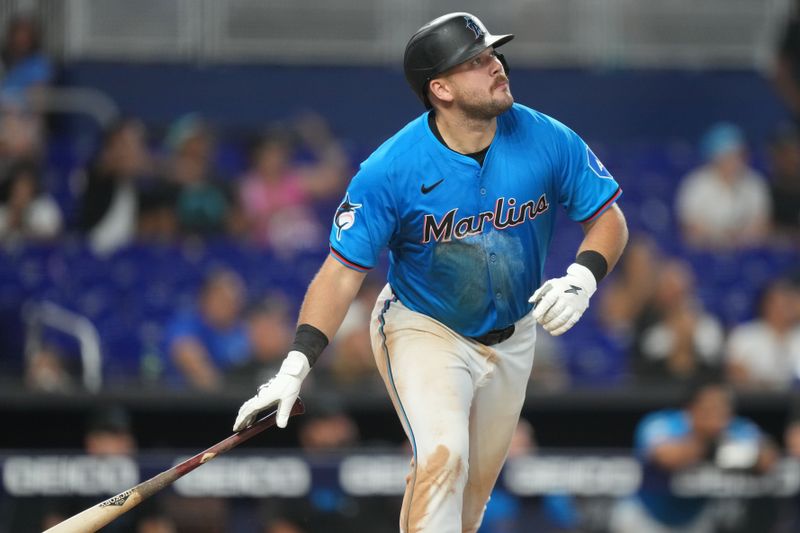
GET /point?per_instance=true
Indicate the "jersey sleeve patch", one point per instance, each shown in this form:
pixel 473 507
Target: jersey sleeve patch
pixel 596 165
pixel 345 216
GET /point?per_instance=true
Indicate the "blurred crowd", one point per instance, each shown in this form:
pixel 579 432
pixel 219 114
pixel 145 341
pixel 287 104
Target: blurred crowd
pixel 137 188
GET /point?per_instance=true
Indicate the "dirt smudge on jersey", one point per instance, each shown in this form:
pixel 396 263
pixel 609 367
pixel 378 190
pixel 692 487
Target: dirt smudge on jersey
pixel 435 478
pixel 460 269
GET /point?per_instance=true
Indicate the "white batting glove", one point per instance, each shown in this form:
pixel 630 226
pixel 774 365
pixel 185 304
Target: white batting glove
pixel 560 302
pixel 282 389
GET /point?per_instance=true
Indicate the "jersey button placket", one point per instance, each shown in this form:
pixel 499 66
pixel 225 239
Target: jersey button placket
pixel 492 255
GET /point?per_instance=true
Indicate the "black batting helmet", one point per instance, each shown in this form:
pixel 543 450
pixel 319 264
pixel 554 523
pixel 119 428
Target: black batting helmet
pixel 444 43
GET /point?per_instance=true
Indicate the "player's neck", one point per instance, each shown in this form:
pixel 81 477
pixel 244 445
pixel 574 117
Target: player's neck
pixel 463 134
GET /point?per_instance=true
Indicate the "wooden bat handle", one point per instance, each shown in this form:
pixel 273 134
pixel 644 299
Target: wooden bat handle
pixel 104 512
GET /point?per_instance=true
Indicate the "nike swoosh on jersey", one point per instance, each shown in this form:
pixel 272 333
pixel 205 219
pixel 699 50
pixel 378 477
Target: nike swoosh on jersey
pixel 426 190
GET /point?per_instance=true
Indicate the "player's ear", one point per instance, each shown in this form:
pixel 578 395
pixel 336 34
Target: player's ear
pixel 440 88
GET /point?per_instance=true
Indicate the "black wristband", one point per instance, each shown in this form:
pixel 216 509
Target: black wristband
pixel 310 342
pixel 595 262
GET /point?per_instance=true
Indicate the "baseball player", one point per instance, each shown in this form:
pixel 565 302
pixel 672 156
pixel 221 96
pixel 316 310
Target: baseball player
pixel 465 199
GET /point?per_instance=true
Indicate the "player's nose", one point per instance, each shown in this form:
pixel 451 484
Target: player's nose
pixel 496 66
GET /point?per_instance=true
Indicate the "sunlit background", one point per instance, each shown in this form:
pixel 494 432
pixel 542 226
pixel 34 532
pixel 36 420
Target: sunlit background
pixel 168 174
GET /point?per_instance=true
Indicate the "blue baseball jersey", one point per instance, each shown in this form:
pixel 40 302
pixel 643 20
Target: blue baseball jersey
pixel 467 242
pixel 669 426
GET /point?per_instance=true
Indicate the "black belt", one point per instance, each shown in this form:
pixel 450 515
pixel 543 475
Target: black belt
pixel 496 336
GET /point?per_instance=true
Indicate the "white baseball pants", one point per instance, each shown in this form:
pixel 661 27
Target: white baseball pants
pixel 459 402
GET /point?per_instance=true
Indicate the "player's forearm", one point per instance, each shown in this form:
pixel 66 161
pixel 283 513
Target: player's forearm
pixel 329 296
pixel 607 235
pixel 327 299
pixel 680 454
pixel 767 457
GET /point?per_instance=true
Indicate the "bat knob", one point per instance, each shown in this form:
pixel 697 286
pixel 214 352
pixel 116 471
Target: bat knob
pixel 298 408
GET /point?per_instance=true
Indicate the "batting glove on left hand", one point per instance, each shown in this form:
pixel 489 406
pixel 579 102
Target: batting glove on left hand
pixel 560 302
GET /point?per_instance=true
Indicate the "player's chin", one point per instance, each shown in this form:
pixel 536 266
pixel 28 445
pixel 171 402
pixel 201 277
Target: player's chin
pixel 504 101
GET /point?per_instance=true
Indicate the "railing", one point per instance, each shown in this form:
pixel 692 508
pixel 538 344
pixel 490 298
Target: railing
pixel 627 33
pixel 75 100
pixel 37 315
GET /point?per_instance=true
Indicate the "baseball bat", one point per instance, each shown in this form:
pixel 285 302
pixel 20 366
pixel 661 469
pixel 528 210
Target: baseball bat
pixel 101 514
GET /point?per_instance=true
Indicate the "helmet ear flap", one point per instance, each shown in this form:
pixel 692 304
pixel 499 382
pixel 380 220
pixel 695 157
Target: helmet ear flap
pixel 503 62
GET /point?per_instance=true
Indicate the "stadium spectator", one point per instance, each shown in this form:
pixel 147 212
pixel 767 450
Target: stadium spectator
pixel 205 205
pixel 156 523
pixel 26 212
pixel 269 331
pixel 792 438
pixel 669 442
pixel 507 513
pixel 21 138
pixel 550 369
pixel 674 339
pixel 25 66
pixel 156 213
pixel 765 353
pixel 109 433
pixel 793 278
pixel 327 428
pixel 46 371
pixel 787 63
pixel 204 342
pixel 278 192
pixel 109 202
pixel 724 204
pixel 283 525
pixel 784 163
pixel 632 285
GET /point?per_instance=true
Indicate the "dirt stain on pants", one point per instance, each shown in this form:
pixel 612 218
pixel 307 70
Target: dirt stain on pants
pixel 435 478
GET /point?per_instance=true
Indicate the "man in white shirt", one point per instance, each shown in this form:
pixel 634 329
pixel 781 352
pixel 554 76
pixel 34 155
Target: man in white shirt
pixel 765 353
pixel 724 204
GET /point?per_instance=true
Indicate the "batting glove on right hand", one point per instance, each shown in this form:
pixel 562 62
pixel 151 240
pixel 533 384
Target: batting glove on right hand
pixel 282 389
pixel 560 302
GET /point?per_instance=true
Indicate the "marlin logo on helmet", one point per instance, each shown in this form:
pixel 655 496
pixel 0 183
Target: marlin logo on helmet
pixel 345 216
pixel 471 24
